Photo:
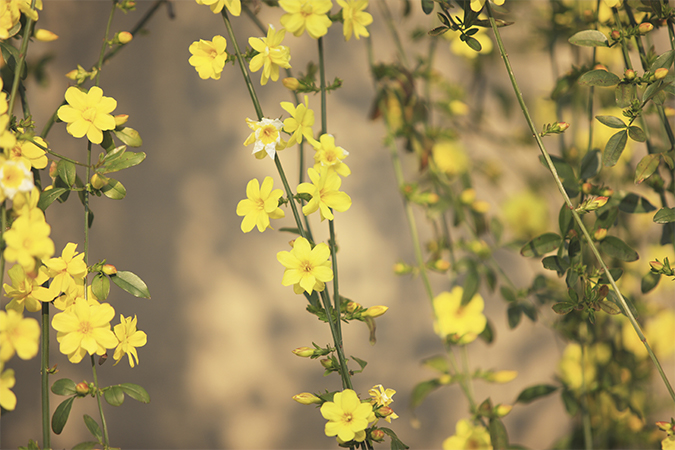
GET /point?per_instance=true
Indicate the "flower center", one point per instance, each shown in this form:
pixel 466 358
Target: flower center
pixel 85 328
pixel 268 134
pixel 348 417
pixel 307 267
pixel 12 176
pixel 89 114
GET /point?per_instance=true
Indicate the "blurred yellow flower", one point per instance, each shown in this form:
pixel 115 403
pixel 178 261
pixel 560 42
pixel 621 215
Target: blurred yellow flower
pixel 271 55
pixel 461 48
pixel 468 437
pixel 450 158
pixel 461 324
pixel 18 335
pixel 233 6
pixel 526 214
pixel 355 18
pixel 7 381
pixel 306 14
pixel 659 333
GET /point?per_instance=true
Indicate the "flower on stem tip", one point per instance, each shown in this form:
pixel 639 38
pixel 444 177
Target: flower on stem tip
pixel 233 6
pixel 300 123
pixel 208 57
pixel 355 18
pixel 477 5
pixel 266 137
pixel 261 205
pixel 15 177
pixel 383 397
pixel 328 155
pixel 88 113
pixel 65 269
pixel 28 239
pixel 325 194
pixel 306 14
pixel 271 55
pixel 468 436
pixel 84 328
pixel 129 338
pixel 347 416
pixel 306 267
pixel 461 324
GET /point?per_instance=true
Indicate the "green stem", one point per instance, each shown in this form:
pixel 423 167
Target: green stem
pixel 585 413
pixel 106 442
pixel 104 44
pixel 44 373
pixel 322 76
pixel 624 44
pixel 18 69
pixel 577 219
pixel 389 21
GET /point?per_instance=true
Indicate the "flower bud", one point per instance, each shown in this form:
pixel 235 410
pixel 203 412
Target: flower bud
pixel 629 74
pixel 441 265
pixel 656 266
pixel 384 411
pixel 615 34
pixel 502 410
pixel 121 119
pixel 377 435
pixel 304 352
pixel 306 398
pixel 432 198
pixel 502 376
pixel 98 181
pixel 124 37
pixel 45 35
pixel 53 173
pixel 468 196
pixel 480 206
pixel 375 311
pixel 587 188
pixel 72 75
pixel 445 379
pixel 327 364
pixel 661 73
pixel 109 269
pixel 562 126
pixel 291 83
pixel 607 192
pixel 402 268
pixel 645 28
pixel 665 426
pixel 600 234
pixel 82 388
pixel 598 202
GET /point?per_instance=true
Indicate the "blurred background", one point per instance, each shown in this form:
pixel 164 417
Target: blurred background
pixel 218 363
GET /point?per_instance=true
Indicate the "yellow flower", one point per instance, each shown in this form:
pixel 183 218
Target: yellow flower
pixel 84 328
pixel 300 123
pixel 7 381
pixel 383 397
pixel 468 436
pixel 659 333
pixel 261 205
pixel 29 239
pixel 355 18
pixel 65 269
pixel 328 155
pixel 18 335
pixel 34 155
pixel 305 266
pixel 88 113
pixel 477 5
pixel 450 158
pixel 570 366
pixel 347 417
pixel 461 324
pixel 266 137
pixel 325 194
pixel 271 55
pixel 15 177
pixel 27 291
pixel 208 57
pixel 233 6
pixel 129 338
pixel 526 214
pixel 306 14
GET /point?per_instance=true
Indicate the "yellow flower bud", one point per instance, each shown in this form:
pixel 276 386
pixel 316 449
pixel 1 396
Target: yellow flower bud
pixel 291 83
pixel 600 234
pixel 45 35
pixel 353 306
pixel 441 265
pixel 480 206
pixel 82 388
pixel 121 119
pixel 502 410
pixel 375 311
pixel 615 35
pixel 98 181
pixel 72 75
pixel 384 411
pixel 53 173
pixel 109 269
pixel 587 188
pixel 306 398
pixel 445 379
pixel 468 196
pixel 124 37
pixel 402 268
pixel 661 73
pixel 502 376
pixel 629 74
pixel 645 28
pixel 304 352
pixel 607 192
pixel 377 435
pixel 327 364
pixel 665 426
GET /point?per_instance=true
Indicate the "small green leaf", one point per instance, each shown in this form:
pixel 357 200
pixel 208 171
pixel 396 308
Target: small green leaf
pixel 488 333
pixel 624 94
pixel 599 78
pixel 427 6
pixel 49 196
pixel 114 190
pixel 138 393
pixel 615 247
pixel 89 445
pixel 590 165
pixel 421 390
pixel 508 294
pixel 66 171
pixel 438 31
pixel 535 392
pixel 664 215
pixel 636 134
pixel 589 38
pixel 114 395
pixel 64 386
pixel 498 435
pixel 646 167
pixel 471 285
pixel 124 161
pixel 100 286
pixel 541 245
pixel 556 263
pixel 61 414
pixel 438 363
pixel 616 274
pixel 611 121
pixel 563 308
pixel 570 402
pixel 614 148
pixel 93 428
pixel 649 282
pixel 634 204
pixel 664 61
pixel 131 283
pixel 610 307
pixel 473 44
pixel 129 136
pixel 514 313
pixel 396 443
pixel 566 174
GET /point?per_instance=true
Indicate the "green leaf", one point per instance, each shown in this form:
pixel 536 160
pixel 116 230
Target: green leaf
pixel 566 174
pixel 138 393
pixel 438 363
pixel 427 6
pixel 129 136
pixel 514 313
pixel 473 44
pixel 131 283
pixel 541 245
pixel 93 428
pixel 649 282
pixel 599 78
pixel 421 390
pixel 471 285
pixel 589 38
pixel 49 196
pixel 636 134
pixel 89 445
pixel 61 414
pixel 616 274
pixel 611 121
pixel 100 286
pixel 610 307
pixel 664 215
pixel 32 445
pixel 563 308
pixel 438 31
pixel 664 61
pixel 64 386
pixel 590 165
pixel 556 263
pixel 634 204
pixel 114 190
pixel 11 54
pixel 488 333
pixel 624 94
pixel 360 362
pixel 646 167
pixel 570 402
pixel 498 436
pixel 508 294
pixel 535 392
pixel 124 161
pixel 614 148
pixel 616 248
pixel 114 395
pixel 66 171
pixel 396 443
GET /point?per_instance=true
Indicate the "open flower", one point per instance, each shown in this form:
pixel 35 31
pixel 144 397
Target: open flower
pixel 347 417
pixel 65 269
pixel 306 14
pixel 328 155
pixel 306 266
pixel 383 397
pixel 28 239
pixel 461 324
pixel 15 177
pixel 129 338
pixel 18 335
pixel 300 123
pixel 325 194
pixel 468 436
pixel 88 113
pixel 355 18
pixel 27 292
pixel 233 6
pixel 84 328
pixel 27 151
pixel 208 57
pixel 266 137
pixel 261 205
pixel 271 55
pixel 7 382
pixel 477 5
